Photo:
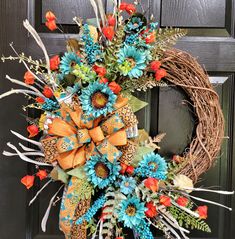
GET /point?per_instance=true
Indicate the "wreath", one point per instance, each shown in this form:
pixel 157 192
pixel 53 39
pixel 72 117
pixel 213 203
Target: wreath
pixel 87 136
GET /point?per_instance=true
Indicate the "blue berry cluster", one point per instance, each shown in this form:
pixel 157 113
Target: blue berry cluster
pixel 92 49
pixel 99 203
pixel 50 105
pixel 132 39
pixel 143 230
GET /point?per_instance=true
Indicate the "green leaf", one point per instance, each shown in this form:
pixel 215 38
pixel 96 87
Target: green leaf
pixel 59 174
pixel 141 151
pixel 135 103
pixel 78 172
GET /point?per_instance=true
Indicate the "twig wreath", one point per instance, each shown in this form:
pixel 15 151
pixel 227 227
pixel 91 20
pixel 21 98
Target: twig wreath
pixel 87 134
pixel 184 71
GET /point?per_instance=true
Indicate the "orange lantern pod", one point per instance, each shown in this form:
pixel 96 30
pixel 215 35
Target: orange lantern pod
pixel 28 181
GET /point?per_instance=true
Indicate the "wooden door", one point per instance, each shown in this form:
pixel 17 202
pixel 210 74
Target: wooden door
pixel 211 25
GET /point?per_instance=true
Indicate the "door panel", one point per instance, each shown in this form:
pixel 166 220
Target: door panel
pixel 211 39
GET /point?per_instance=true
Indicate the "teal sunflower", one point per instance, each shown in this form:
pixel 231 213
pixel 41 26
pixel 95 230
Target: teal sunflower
pixel 68 61
pixel 132 61
pixel 97 99
pixel 131 212
pixel 152 165
pixel 100 172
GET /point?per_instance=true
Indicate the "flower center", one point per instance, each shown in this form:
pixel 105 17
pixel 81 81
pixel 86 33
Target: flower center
pixel 154 166
pixel 131 210
pixel 131 62
pixel 73 63
pixel 127 184
pixel 101 170
pixel 99 100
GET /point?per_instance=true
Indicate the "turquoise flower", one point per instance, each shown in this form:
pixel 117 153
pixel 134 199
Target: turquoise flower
pixel 134 24
pixel 132 61
pixel 127 185
pixel 100 172
pixel 131 212
pixel 153 26
pixel 68 61
pixel 152 165
pixel 97 99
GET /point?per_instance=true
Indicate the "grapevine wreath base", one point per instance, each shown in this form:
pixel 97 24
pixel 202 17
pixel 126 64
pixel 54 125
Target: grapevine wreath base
pixel 87 136
pixel 184 71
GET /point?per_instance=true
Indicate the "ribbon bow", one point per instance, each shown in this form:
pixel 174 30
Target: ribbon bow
pixel 81 137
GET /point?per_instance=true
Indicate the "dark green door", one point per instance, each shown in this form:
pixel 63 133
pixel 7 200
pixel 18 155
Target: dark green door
pixel 211 25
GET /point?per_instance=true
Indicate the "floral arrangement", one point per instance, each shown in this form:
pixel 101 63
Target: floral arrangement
pixel 87 134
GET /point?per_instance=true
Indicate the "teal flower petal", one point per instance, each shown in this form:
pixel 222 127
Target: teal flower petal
pixel 100 172
pixel 86 99
pixel 69 60
pixel 131 212
pixel 152 165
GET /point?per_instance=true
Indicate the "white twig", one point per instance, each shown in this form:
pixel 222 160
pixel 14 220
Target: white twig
pixel 102 12
pixel 27 148
pixel 26 139
pixel 6 153
pixel 44 186
pixel 37 38
pixel 25 85
pixel 209 190
pixel 45 218
pixel 23 157
pixel 208 201
pixel 194 214
pixel 93 4
pixel 18 91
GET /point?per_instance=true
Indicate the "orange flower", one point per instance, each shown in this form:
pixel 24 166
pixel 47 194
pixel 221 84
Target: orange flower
pixel 51 25
pixel 50 16
pixel 202 211
pixel 152 211
pixel 124 167
pixel 40 100
pixel 182 201
pixel 161 73
pixel 151 183
pixel 108 32
pixel 28 181
pixel 150 38
pixel 33 130
pixel 114 87
pixel 103 80
pixel 165 200
pixel 155 65
pixel 47 91
pixel 111 20
pixel 29 78
pixel 54 62
pixel 130 170
pixel 101 71
pixel 123 6
pixel 130 8
pixel 42 174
